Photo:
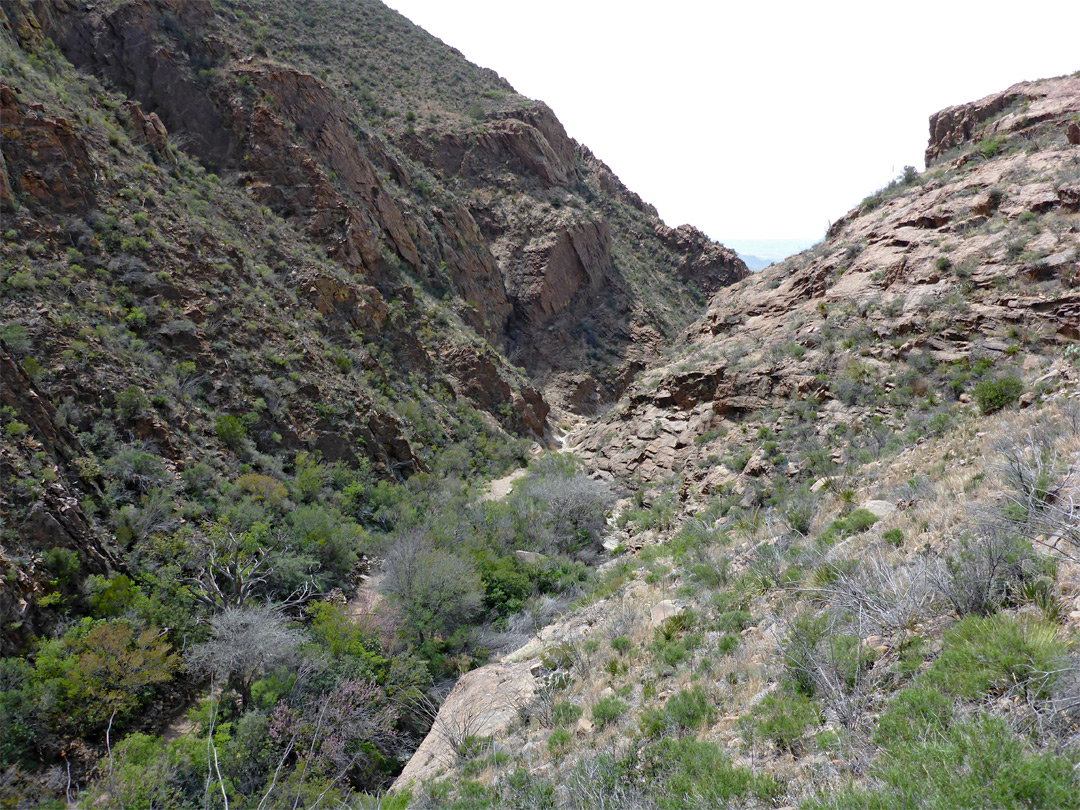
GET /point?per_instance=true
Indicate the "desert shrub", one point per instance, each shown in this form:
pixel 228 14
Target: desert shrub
pixel 96 673
pixel 860 520
pixel 968 766
pixel 16 337
pixel 671 774
pixel 136 469
pixel 998 654
pixel 693 537
pixel 434 590
pixel 339 635
pixel 728 643
pixel 607 710
pixel 573 507
pixel 148 772
pixel 231 430
pixel 732 621
pixel 855 523
pixel 621 645
pixel 558 741
pixel 507 583
pixel 782 718
pixel 684 711
pixel 894 537
pixel 984 570
pixel 993 395
pixel 915 714
pixel 263 488
pixel 565 713
pixel 245 644
pixel 131 403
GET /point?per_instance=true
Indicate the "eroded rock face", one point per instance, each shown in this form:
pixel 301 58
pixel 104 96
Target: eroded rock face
pixel 42 157
pixel 296 141
pixel 545 276
pixel 1030 107
pixel 706 264
pixel 50 520
pixel 476 376
pixel 483 703
pixel 530 142
pixel 360 307
pixel 522 231
pixel 124 43
pixel 940 272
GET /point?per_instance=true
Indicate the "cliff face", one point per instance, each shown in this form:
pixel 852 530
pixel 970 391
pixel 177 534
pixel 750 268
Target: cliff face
pixel 544 206
pixel 1027 109
pixel 201 222
pixel 973 264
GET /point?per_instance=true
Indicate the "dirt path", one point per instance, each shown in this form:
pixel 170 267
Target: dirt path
pixel 501 487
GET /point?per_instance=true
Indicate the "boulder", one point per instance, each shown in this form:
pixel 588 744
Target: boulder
pixel 662 611
pixel 879 509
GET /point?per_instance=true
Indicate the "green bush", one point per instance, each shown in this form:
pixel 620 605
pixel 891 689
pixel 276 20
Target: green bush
pixel 781 718
pixel 733 621
pixel 996 654
pixel 607 710
pixel 231 430
pixel 728 643
pixel 558 741
pixel 680 772
pixel 564 713
pixel 131 403
pixel 860 520
pixel 894 537
pixel 993 395
pixel 915 714
pixel 621 645
pixel 684 711
pixel 972 765
pixel 97 672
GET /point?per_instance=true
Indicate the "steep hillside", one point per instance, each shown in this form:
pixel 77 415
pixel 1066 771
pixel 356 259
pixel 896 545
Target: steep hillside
pixel 285 285
pixel 852 568
pixel 277 300
pixel 397 155
pixel 963 274
pixel 201 230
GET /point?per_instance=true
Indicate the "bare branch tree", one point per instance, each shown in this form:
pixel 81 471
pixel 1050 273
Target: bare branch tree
pixel 245 642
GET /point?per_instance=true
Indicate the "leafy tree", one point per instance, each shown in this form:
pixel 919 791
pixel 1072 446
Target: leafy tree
pixel 96 673
pixel 434 590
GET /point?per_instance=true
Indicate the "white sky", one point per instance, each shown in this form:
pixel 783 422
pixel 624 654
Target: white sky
pixel 756 120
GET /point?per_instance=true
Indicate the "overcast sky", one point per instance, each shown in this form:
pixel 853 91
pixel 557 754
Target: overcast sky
pixel 758 120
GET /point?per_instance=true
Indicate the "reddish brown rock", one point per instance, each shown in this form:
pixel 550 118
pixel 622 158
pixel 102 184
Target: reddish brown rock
pixel 360 307
pixel 148 128
pixel 476 376
pixel 706 264
pixel 43 155
pixel 52 519
pixel 528 141
pixel 555 267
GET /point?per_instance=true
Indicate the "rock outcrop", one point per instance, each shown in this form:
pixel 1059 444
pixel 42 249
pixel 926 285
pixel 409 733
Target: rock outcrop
pixel 1031 108
pixel 53 517
pixel 512 265
pixel 42 157
pixel 978 258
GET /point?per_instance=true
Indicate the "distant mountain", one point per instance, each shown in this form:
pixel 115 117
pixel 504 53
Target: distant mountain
pixel 755 263
pixel 770 250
